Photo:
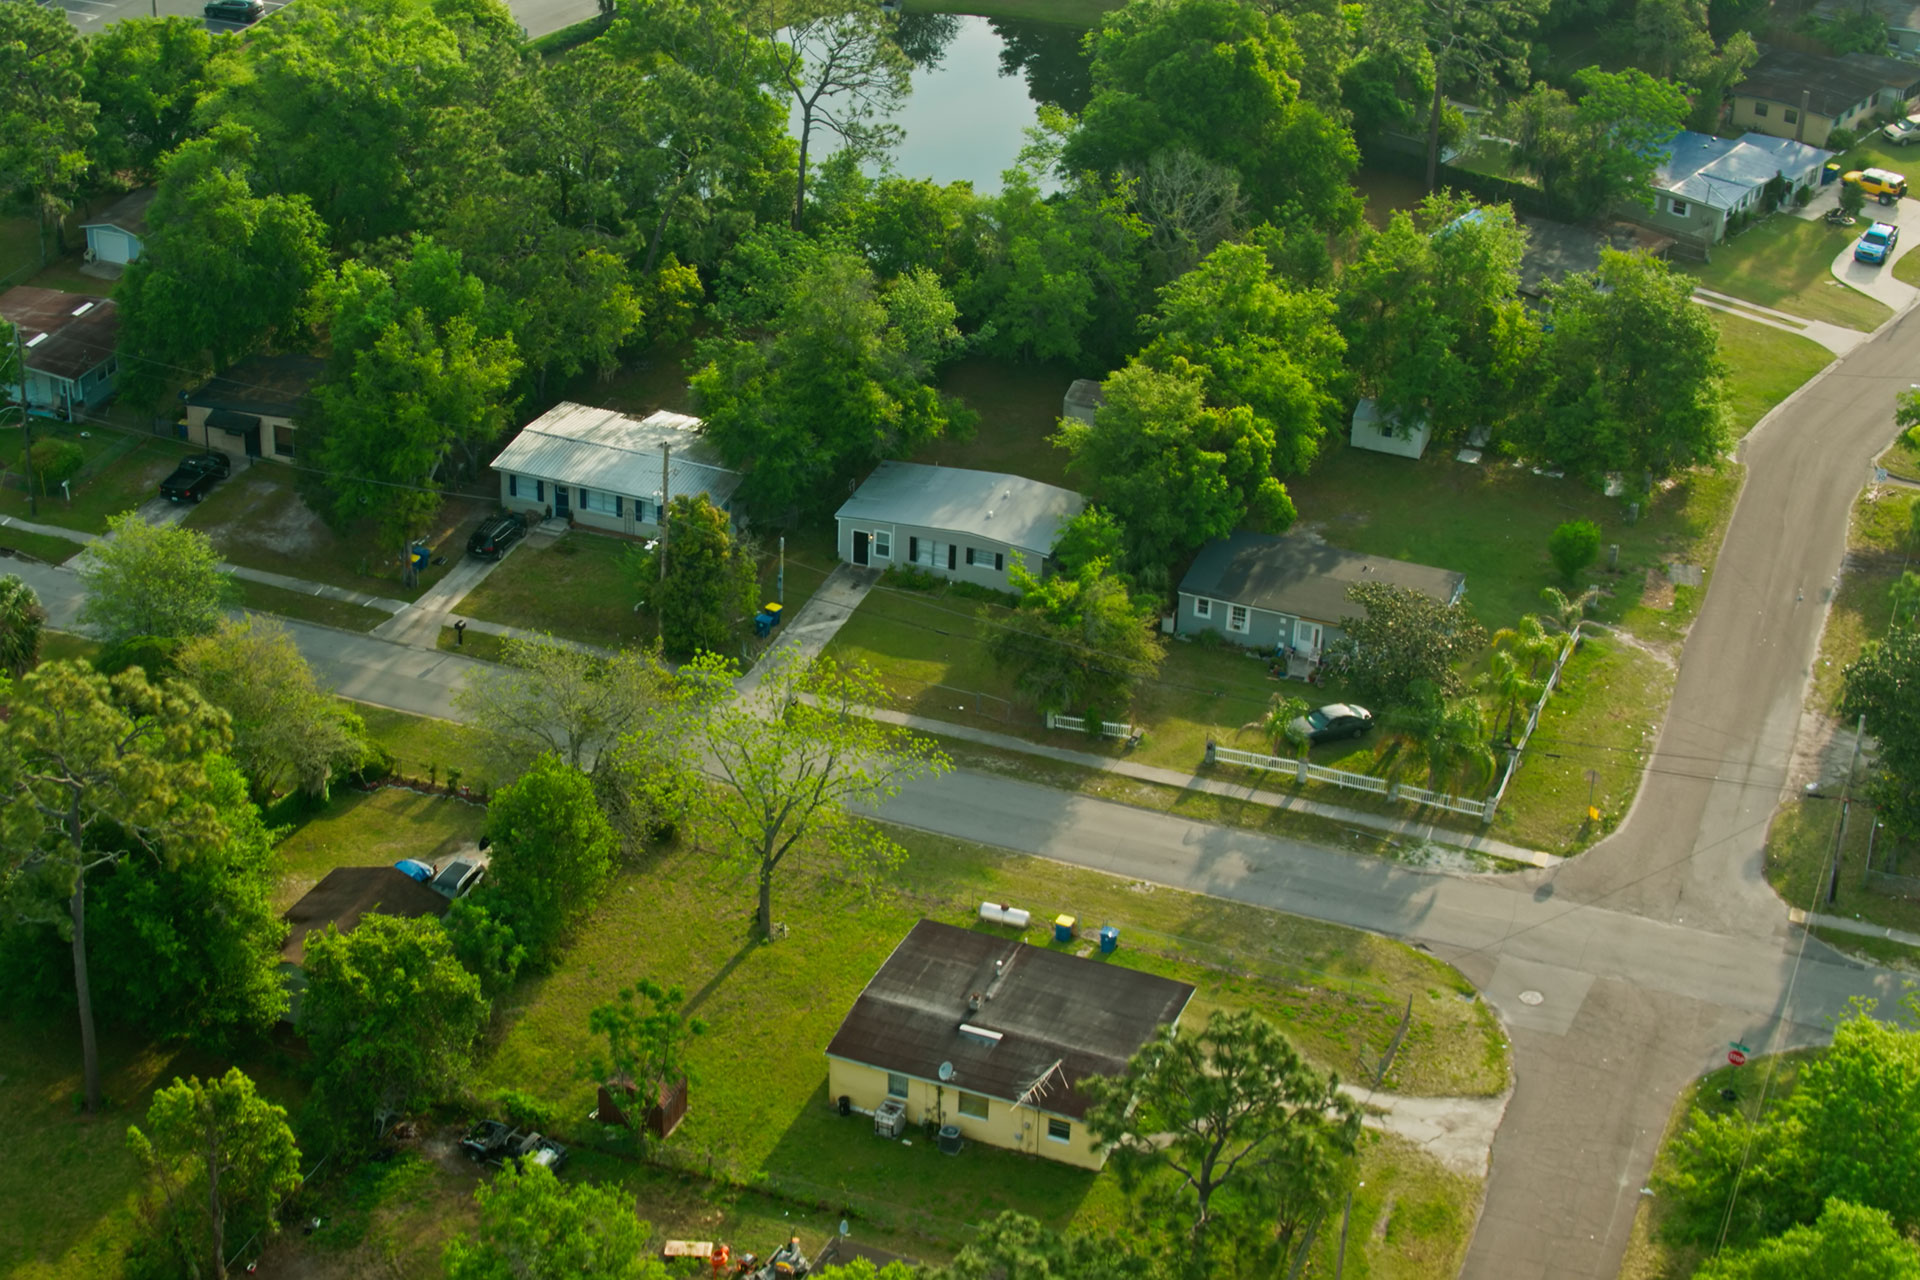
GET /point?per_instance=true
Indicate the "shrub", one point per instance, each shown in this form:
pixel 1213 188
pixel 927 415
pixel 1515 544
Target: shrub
pixel 1574 546
pixel 1841 140
pixel 907 578
pixel 1803 197
pixel 155 655
pixel 53 461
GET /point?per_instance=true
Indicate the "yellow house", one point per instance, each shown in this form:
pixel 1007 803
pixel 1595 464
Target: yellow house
pixel 250 409
pixel 994 1037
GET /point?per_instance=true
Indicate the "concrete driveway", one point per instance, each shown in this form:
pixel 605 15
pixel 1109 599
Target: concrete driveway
pixel 1878 281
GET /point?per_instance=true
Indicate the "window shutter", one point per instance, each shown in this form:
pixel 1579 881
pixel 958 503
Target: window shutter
pixel 953 554
pixel 913 550
pixel 619 505
pixel 999 560
pixel 539 490
pixel 513 485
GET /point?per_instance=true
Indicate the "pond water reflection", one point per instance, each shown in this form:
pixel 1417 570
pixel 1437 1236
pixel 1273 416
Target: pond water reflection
pixel 977 83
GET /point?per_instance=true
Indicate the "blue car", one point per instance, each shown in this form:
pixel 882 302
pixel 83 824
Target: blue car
pixel 1877 245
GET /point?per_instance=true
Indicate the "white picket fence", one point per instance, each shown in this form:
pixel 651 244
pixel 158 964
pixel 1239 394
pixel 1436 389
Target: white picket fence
pixel 1307 771
pixel 1533 720
pixel 1078 724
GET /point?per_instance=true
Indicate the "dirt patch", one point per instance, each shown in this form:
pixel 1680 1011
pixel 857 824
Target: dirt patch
pixel 1659 591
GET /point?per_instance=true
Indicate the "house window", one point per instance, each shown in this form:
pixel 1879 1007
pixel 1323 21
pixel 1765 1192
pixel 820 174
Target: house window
pixel 896 1085
pixel 1202 607
pixel 1237 617
pixel 1760 109
pixel 283 440
pixel 593 500
pixel 1677 207
pixel 1059 1130
pixel 1790 116
pixel 971 553
pixel 972 1104
pixel 883 543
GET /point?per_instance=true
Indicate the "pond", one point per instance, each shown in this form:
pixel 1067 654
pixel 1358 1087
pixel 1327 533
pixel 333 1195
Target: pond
pixel 977 87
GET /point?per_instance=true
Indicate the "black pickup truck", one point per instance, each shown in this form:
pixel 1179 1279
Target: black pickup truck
pixel 195 477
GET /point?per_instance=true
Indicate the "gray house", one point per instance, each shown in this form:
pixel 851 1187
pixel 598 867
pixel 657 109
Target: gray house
pixel 1704 181
pixel 959 524
pixel 602 470
pixel 1287 594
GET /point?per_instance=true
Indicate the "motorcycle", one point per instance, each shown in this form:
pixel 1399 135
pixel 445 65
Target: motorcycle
pixel 1839 218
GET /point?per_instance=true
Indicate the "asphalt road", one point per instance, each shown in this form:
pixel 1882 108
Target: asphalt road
pixel 537 17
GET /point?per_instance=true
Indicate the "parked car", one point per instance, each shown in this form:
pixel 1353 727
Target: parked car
pixel 457 878
pixel 495 534
pixel 536 1148
pixel 195 477
pixel 421 871
pixel 488 1140
pixel 1901 132
pixel 1883 184
pixel 236 10
pixel 1877 245
pixel 1332 722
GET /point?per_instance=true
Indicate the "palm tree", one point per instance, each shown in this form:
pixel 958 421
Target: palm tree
pixel 1277 723
pixel 22 621
pixel 1513 688
pixel 1565 613
pixel 1529 642
pixel 1448 737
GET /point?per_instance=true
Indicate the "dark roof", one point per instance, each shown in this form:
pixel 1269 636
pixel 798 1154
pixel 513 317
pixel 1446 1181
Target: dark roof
pixel 1086 1017
pixel 269 386
pixel 1301 575
pixel 1832 87
pixel 1893 73
pixel 838 1251
pixel 129 213
pixel 65 334
pixel 346 894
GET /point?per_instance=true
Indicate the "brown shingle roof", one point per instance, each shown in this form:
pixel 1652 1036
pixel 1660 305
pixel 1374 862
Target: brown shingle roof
pixel 346 894
pixel 1049 1008
pixel 65 334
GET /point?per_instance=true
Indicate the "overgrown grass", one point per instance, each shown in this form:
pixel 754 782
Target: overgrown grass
pixel 265 598
pixel 259 519
pixel 372 828
pixel 581 587
pixel 1765 365
pixel 58 645
pixel 759 1109
pixel 657 380
pixel 1880 544
pixel 1800 849
pixel 1019 407
pixel 1902 457
pixel 1412 1217
pixel 1786 263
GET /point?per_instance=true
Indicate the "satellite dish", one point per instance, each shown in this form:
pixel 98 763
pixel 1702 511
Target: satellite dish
pixel 843 1226
pixel 946 1071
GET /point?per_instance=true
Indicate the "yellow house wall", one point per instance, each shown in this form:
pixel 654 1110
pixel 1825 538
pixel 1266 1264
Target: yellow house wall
pixel 1775 121
pixel 1014 1127
pixel 198 434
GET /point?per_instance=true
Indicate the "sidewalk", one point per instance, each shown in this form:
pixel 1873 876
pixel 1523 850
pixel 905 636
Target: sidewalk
pixel 1860 928
pixel 418 624
pixel 1405 828
pixel 819 620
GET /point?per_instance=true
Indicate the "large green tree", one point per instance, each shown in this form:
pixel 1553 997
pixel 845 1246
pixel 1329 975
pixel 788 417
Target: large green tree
pixel 93 773
pixel 421 371
pixel 391 1016
pixel 286 728
pixel 1602 147
pixel 809 776
pixel 1883 684
pixel 1432 315
pixel 23 622
pixel 1013 1246
pixel 222 1158
pixel 1176 470
pixel 152 580
pixel 1207 1116
pixel 842 384
pixel 1219 80
pixel 1846 1242
pixel 1079 643
pixel 1631 378
pixel 1470 45
pixel 552 853
pixel 224 269
pixel 147 78
pixel 709 583
pixel 535 1227
pixel 46 120
pixel 1404 635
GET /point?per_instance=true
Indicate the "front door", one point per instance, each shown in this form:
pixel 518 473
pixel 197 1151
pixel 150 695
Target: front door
pixel 1306 638
pixel 560 507
pixel 860 546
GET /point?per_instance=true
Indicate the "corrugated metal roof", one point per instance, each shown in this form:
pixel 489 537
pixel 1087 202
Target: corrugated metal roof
pixel 1718 171
pixel 605 450
pixel 1303 576
pixel 1048 1009
pixel 1007 509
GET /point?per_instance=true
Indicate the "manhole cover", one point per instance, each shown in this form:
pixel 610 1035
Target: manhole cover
pixel 1531 997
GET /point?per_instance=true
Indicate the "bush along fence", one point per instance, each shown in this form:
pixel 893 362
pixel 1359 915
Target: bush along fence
pixel 1305 770
pixel 424 780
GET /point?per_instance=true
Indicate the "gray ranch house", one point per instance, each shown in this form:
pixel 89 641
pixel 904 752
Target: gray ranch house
pixel 602 469
pixel 959 524
pixel 1286 594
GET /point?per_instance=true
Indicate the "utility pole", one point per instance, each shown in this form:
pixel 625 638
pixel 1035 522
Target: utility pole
pixel 666 496
pixel 780 578
pixel 1846 805
pixel 26 422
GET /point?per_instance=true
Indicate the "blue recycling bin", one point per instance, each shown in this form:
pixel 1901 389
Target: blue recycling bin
pixel 1063 928
pixel 1830 173
pixel 762 623
pixel 421 552
pixel 1109 939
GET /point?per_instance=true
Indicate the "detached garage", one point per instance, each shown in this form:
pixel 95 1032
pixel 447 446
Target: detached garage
pixel 120 234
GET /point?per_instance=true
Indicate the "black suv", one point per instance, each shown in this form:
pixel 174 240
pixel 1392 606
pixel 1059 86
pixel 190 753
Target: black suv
pixel 195 477
pixel 236 10
pixel 495 534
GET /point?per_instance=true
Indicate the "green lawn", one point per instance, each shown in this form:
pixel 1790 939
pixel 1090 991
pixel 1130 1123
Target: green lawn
pixel 44 547
pixel 373 828
pixel 657 380
pixel 264 598
pixel 57 645
pixel 580 587
pixel 1799 855
pixel 759 1108
pixel 258 518
pixel 1862 610
pixel 1902 457
pixel 1019 408
pixel 1765 365
pixel 121 472
pixel 422 746
pixel 1786 263
pixel 1907 270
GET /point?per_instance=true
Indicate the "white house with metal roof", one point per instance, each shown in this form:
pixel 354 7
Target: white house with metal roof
pixel 602 469
pixel 1704 181
pixel 959 524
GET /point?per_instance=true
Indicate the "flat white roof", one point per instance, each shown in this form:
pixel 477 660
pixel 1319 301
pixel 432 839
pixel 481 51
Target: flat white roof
pixel 604 449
